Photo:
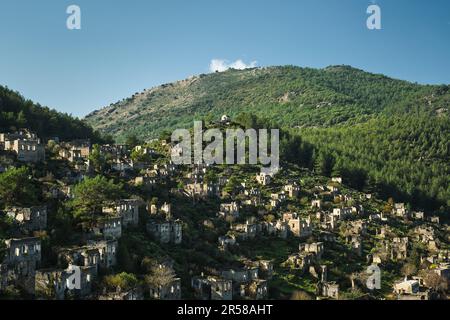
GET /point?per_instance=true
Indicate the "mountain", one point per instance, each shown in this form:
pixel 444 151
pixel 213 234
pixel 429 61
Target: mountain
pixel 291 96
pixel 16 112
pixel 384 135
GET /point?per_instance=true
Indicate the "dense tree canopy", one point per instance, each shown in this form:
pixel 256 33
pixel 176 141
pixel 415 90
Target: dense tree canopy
pixel 17 188
pixel 16 112
pixel 92 194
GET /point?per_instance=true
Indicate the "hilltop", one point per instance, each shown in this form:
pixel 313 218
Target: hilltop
pixel 290 96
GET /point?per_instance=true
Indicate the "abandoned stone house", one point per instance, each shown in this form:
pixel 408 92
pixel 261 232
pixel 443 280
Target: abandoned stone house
pixel 298 227
pixel 418 215
pixel 413 289
pixel 108 252
pixel 98 254
pixel 434 219
pixel 212 288
pixel 196 176
pixel 243 275
pixel 229 210
pixel 398 248
pixel 357 209
pixel 76 151
pixel 166 231
pixel 29 219
pixel 88 275
pixel 127 209
pixel 252 192
pixel 23 257
pixel 280 197
pixel 359 227
pixel 378 217
pixel 292 190
pixel 28 151
pixel 201 287
pixel 385 232
pixel 443 270
pixel 400 210
pixel 145 150
pixel 51 284
pixel 226 241
pixel 300 261
pixel 221 289
pixel 169 291
pixel 121 164
pixel 115 150
pixel 326 236
pixel 276 199
pixel 274 203
pixel 427 236
pixel 342 213
pixel 333 189
pixel 316 204
pixel 356 227
pixel 407 287
pixel 202 190
pixel 23 250
pixel 328 222
pixel 424 234
pixel 265 268
pixel 328 290
pixel 83 257
pixel 376 258
pixel 356 244
pixel 245 231
pixel 165 211
pixel 212 189
pixel 25 144
pixel 193 189
pixel 277 228
pixel 316 248
pixel 252 202
pixel 337 180
pixel 108 228
pixel 281 228
pixel 264 179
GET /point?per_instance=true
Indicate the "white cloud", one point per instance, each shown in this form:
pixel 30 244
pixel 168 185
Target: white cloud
pixel 221 65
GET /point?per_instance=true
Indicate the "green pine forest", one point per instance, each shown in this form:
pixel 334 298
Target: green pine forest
pixel 16 113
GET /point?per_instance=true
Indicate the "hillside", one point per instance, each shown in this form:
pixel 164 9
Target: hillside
pixel 388 136
pixel 291 96
pixel 16 112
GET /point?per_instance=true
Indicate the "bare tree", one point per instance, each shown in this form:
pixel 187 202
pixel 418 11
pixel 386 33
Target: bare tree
pixel 159 275
pixel 300 295
pixel 434 281
pixel 409 269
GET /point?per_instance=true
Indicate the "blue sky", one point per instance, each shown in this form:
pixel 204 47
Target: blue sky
pixel 126 46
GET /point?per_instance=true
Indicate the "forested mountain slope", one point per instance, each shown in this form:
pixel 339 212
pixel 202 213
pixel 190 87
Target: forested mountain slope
pixel 386 135
pixel 16 112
